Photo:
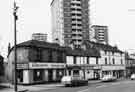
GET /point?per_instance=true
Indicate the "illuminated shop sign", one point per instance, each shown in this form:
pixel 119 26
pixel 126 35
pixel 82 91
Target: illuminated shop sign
pixel 46 65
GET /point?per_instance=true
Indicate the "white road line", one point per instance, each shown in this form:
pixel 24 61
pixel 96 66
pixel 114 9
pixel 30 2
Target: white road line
pixel 113 84
pixel 83 90
pixel 101 86
pixel 116 83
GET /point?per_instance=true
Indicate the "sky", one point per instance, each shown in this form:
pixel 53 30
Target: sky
pixel 35 16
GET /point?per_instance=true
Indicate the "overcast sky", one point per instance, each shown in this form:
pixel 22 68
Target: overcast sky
pixel 35 16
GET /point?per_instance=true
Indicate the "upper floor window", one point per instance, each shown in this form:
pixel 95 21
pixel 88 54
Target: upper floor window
pixel 113 60
pixel 105 60
pixel 96 60
pixel 105 52
pixel 121 61
pixel 112 53
pixel 74 59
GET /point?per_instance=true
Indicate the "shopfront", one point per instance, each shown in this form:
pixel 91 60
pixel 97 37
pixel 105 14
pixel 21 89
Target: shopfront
pixel 117 71
pixel 85 71
pixel 40 72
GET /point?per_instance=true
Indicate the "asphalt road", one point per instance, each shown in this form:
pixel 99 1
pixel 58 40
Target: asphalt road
pixel 118 86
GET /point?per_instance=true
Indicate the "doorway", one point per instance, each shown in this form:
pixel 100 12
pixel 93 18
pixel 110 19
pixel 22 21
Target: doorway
pixel 50 75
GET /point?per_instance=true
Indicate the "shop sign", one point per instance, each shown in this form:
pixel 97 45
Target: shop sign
pixel 46 65
pixel 113 67
pixel 22 66
pixel 87 67
pixel 97 67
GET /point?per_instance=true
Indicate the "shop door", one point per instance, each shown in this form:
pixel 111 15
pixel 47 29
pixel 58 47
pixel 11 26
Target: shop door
pixel 50 75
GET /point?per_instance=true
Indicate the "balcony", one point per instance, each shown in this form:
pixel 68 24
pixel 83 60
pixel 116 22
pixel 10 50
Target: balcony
pixel 76 27
pixel 76 22
pixel 77 17
pixel 76 2
pixel 77 37
pixel 76 7
pixel 76 12
pixel 77 32
pixel 78 42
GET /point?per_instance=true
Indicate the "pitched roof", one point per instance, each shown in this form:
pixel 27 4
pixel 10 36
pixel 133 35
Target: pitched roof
pixel 105 47
pixel 40 44
pixel 81 52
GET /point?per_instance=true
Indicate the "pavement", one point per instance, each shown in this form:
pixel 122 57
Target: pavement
pixel 27 88
pixel 7 87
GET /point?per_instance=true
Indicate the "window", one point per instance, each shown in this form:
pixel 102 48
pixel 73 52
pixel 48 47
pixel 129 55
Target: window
pixel 74 59
pixel 60 57
pixel 50 55
pixel 19 75
pixel 121 61
pixel 38 75
pixel 105 60
pixel 96 60
pixel 105 52
pixel 87 60
pixel 113 60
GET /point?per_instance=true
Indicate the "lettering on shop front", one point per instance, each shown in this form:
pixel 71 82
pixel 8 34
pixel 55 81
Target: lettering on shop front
pixel 46 65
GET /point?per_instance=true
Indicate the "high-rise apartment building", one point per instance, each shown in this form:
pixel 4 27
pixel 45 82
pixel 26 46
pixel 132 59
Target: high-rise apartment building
pixel 39 37
pixel 100 33
pixel 70 22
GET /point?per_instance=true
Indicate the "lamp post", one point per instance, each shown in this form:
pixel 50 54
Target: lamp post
pixel 15 47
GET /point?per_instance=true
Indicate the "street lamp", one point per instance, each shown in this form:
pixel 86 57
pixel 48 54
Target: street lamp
pixel 15 47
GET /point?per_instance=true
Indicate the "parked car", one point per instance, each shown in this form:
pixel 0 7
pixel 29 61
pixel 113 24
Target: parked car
pixel 73 81
pixel 133 77
pixel 107 78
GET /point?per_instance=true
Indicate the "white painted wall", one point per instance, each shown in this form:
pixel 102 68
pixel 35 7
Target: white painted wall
pixel 109 55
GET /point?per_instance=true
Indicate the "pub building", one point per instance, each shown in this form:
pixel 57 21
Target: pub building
pixel 37 62
pixel 83 62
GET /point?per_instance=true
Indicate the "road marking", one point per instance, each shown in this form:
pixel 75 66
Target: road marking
pixel 115 84
pixel 101 86
pixel 83 90
pixel 112 84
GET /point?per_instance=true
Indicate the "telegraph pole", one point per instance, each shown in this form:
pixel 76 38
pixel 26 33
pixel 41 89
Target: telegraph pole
pixel 15 47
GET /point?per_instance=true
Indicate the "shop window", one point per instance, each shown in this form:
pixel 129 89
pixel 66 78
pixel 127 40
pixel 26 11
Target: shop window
pixel 50 75
pixel 38 75
pixel 20 76
pixel 59 74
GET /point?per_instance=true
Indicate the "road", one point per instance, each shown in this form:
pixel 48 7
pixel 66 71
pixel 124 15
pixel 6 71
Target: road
pixel 118 86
